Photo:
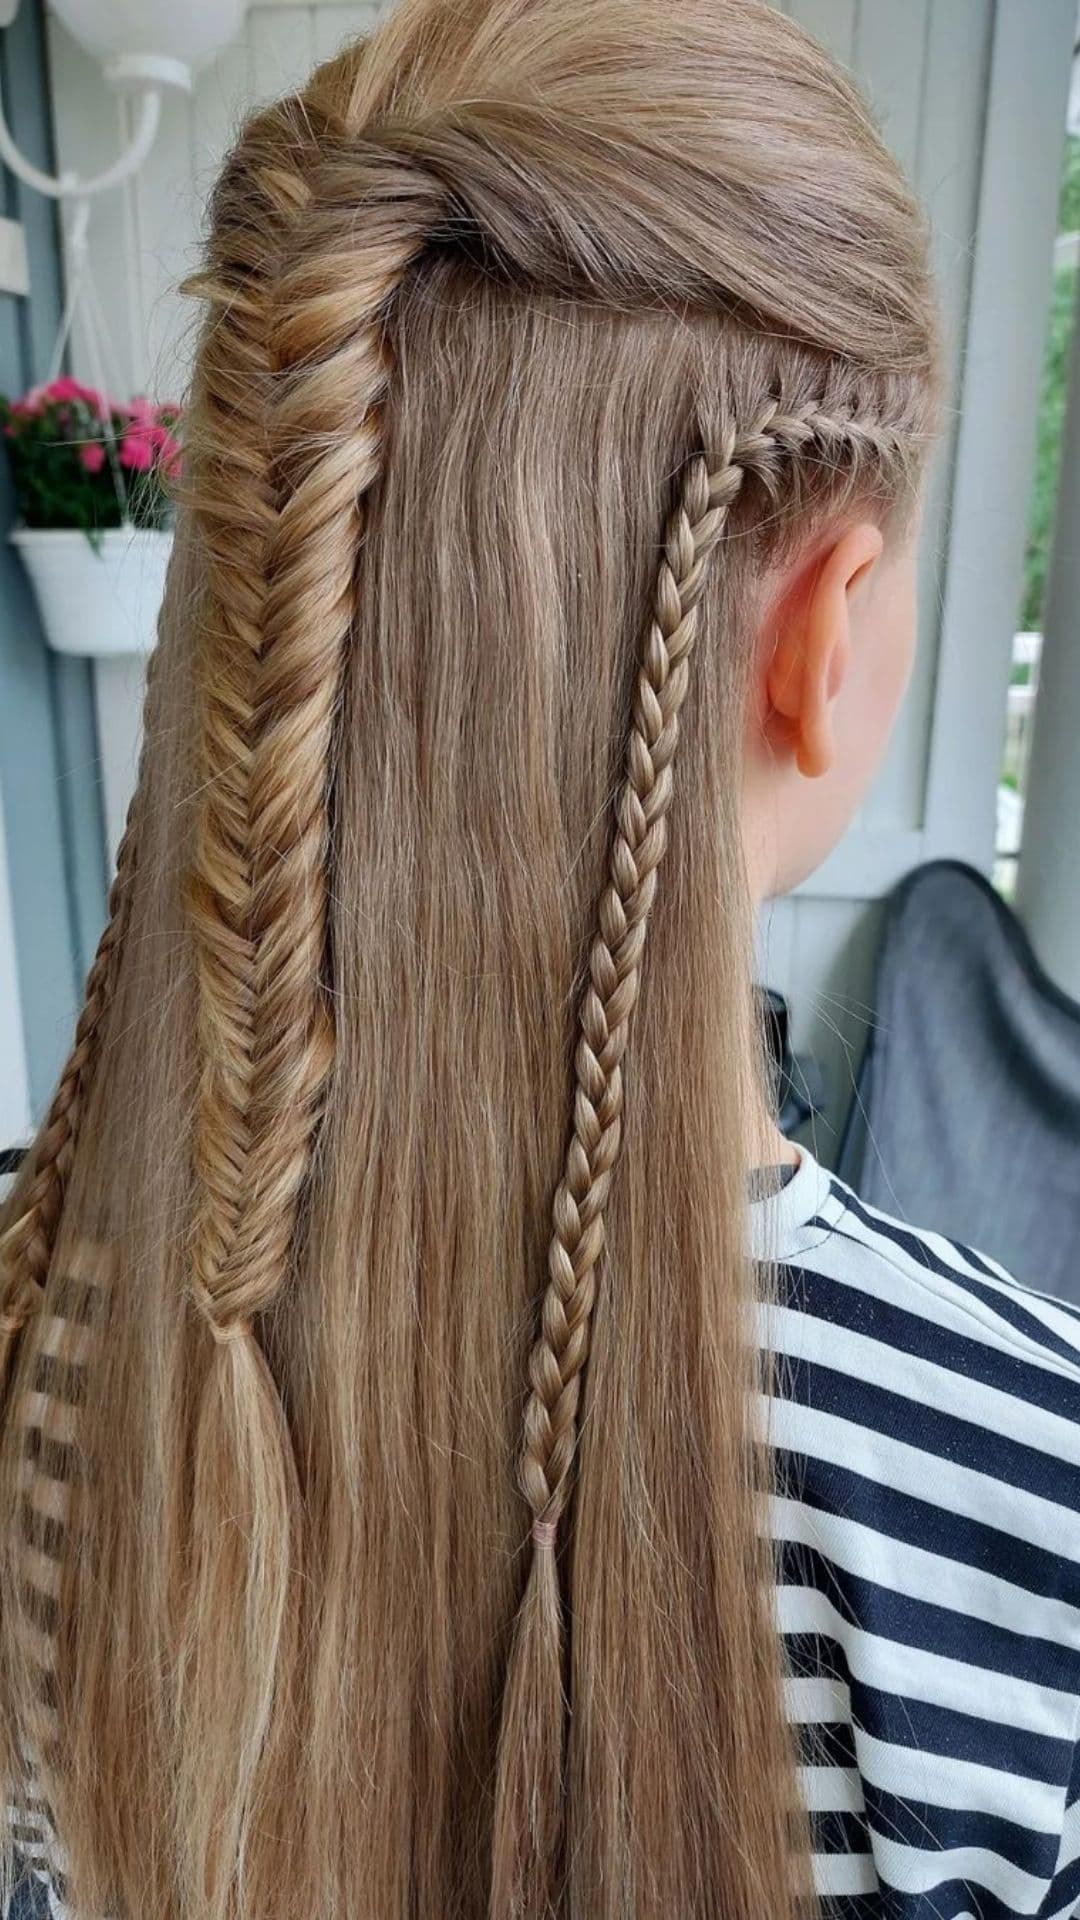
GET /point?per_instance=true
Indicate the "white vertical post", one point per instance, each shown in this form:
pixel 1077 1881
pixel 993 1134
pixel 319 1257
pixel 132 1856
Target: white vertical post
pixel 1048 878
pixel 14 1087
pixel 1010 289
pixel 119 686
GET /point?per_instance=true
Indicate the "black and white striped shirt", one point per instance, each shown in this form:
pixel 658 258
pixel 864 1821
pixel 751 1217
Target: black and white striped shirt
pixel 926 1430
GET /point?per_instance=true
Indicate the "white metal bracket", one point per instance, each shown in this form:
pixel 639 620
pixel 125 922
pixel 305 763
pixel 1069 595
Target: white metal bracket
pixel 60 186
pixel 14 269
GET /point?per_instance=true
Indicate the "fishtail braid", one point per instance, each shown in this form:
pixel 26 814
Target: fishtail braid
pixel 234 499
pixel 244 1493
pixel 294 370
pixel 325 437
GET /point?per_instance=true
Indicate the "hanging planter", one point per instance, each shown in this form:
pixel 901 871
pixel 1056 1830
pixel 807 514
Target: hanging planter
pixel 101 599
pixel 92 480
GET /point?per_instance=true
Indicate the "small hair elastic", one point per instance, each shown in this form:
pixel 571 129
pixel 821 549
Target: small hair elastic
pixel 543 1532
pixel 224 1330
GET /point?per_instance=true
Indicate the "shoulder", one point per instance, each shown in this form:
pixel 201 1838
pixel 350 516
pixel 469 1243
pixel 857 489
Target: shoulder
pixel 925 1425
pixel 921 1385
pixel 922 1292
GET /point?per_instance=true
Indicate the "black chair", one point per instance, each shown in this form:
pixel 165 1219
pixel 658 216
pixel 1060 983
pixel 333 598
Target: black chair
pixel 967 1109
pixel 796 1078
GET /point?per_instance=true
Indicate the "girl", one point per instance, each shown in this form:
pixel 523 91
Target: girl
pixel 386 1501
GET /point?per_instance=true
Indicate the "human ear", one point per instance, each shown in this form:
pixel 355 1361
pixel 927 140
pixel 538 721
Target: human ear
pixel 812 645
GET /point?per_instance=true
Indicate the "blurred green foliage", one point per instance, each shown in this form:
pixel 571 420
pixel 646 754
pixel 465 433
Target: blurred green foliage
pixel 1052 403
pixel 1069 212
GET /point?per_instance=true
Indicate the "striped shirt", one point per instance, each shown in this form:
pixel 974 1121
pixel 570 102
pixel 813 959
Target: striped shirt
pixel 925 1423
pixel 926 1431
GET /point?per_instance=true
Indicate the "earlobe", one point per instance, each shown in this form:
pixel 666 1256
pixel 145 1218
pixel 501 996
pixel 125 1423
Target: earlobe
pixel 812 651
pixel 802 679
pixel 814 748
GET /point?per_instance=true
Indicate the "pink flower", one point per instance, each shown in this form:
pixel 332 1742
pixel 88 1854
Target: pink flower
pixel 68 389
pixel 55 392
pixel 137 449
pixel 92 456
pixel 148 444
pixel 144 412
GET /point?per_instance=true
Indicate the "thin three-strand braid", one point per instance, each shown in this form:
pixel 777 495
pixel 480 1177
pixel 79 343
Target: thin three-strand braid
pixel 773 439
pixel 532 1738
pixel 531 1748
pixel 577 1239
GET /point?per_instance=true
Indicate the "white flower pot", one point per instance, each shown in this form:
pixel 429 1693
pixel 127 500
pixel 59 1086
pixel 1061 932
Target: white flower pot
pixel 96 602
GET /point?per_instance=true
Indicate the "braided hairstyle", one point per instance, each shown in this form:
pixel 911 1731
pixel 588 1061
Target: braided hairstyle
pixel 33 1214
pixel 286 441
pixel 405 661
pixel 531 1783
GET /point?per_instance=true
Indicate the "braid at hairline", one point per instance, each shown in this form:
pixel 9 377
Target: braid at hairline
pixel 532 1734
pixel 577 1240
pixel 528 1805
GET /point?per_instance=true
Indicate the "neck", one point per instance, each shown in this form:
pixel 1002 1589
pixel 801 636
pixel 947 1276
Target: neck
pixel 770 1147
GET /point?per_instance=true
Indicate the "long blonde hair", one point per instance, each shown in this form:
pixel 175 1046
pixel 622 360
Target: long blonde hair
pixel 386 1540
